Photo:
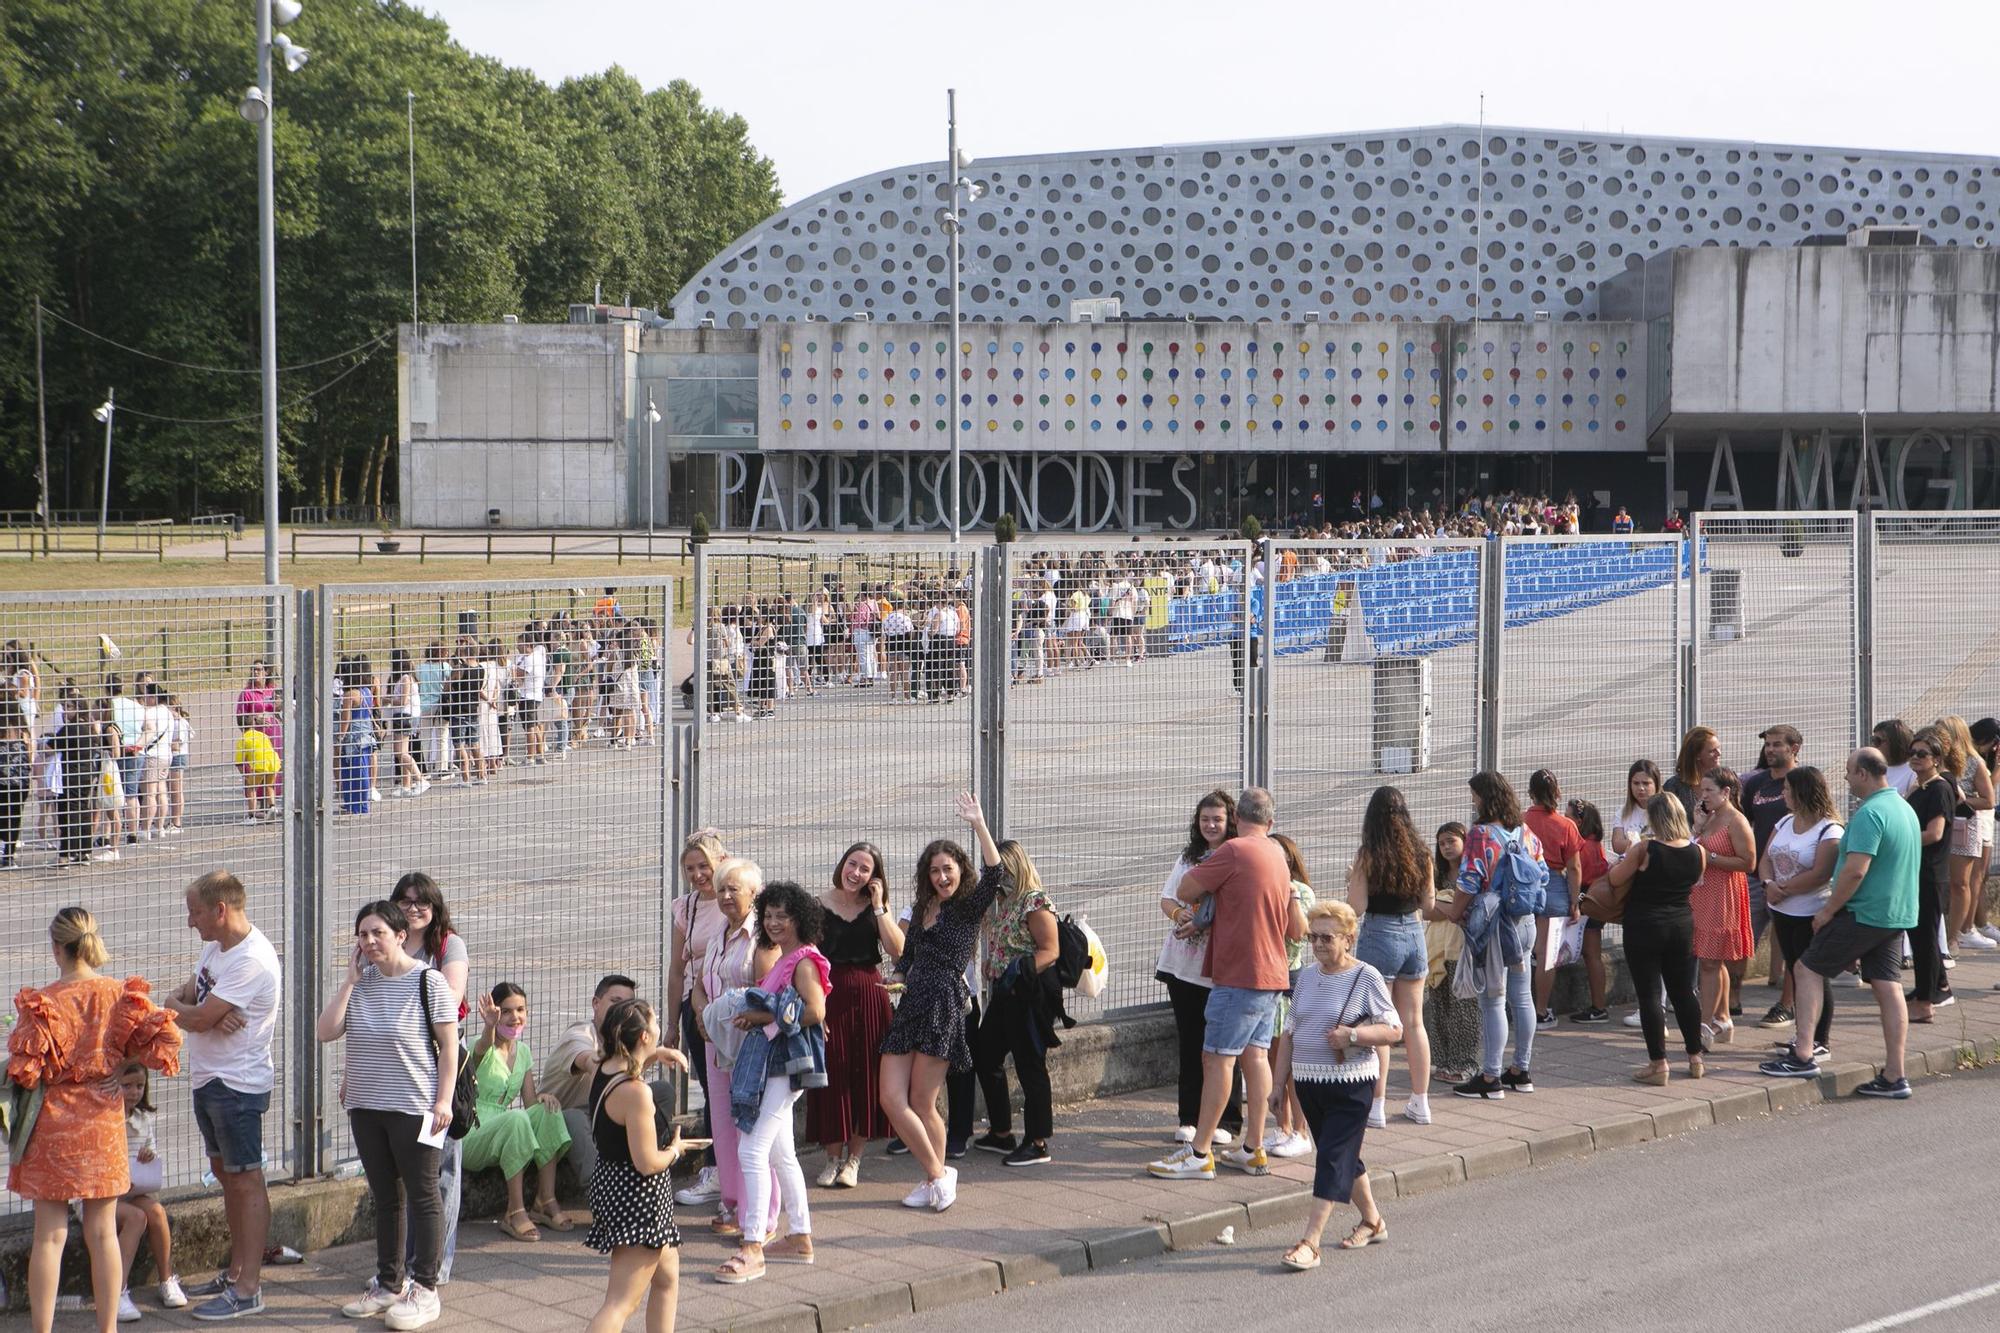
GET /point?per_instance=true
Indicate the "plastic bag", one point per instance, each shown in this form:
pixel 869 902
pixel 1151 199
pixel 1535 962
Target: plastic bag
pixel 1570 949
pixel 1091 983
pixel 110 787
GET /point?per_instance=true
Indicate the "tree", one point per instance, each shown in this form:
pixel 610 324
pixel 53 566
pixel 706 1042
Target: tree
pixel 131 184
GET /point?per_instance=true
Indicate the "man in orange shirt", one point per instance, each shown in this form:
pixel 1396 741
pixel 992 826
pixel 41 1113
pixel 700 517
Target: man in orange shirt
pixel 1251 887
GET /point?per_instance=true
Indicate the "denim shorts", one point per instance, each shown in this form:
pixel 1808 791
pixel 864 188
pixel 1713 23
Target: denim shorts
pixel 180 761
pixel 1556 902
pixel 232 1124
pixel 1394 945
pixel 132 773
pixel 1237 1019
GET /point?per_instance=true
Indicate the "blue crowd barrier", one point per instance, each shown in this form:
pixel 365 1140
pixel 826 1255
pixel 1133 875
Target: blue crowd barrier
pixel 1423 606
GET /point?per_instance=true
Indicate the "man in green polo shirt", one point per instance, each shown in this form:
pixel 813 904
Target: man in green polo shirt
pixel 1874 901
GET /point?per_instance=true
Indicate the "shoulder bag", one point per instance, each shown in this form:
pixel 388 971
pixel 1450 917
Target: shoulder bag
pixel 465 1091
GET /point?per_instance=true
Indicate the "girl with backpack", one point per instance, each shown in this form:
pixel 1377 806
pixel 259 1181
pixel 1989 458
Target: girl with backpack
pixel 1499 892
pixel 1021 946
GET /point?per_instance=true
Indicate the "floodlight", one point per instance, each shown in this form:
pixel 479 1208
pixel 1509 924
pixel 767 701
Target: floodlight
pixel 254 107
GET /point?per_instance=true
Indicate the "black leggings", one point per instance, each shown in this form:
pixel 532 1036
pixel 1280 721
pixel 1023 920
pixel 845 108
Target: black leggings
pixel 397 1166
pixel 13 800
pixel 1190 1003
pixel 1661 950
pixel 73 809
pixel 1009 1028
pixel 1926 958
pixel 697 1054
pixel 1794 933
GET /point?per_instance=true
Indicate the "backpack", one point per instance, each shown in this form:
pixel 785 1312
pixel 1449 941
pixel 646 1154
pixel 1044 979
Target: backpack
pixel 464 1092
pixel 1080 963
pixel 1519 876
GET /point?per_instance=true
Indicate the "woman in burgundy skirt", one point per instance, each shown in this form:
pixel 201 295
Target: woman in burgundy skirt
pixel 847 1112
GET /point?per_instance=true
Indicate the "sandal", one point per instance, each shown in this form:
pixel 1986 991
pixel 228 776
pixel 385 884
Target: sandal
pixel 521 1230
pixel 736 1271
pixel 1366 1234
pixel 1696 1069
pixel 775 1255
pixel 1302 1263
pixel 550 1214
pixel 724 1225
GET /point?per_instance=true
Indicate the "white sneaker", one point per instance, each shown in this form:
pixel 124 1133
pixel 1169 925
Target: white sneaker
pixel 251 821
pixel 1184 1164
pixel 1378 1115
pixel 374 793
pixel 373 1301
pixel 1185 1134
pixel 1991 933
pixel 706 1189
pixel 423 785
pixel 920 1197
pixel 1975 941
pixel 1294 1145
pixel 1222 1137
pixel 418 1307
pixel 1632 1020
pixel 850 1174
pixel 1415 1114
pixel 944 1190
pixel 1273 1138
pixel 128 1313
pixel 829 1174
pixel 171 1294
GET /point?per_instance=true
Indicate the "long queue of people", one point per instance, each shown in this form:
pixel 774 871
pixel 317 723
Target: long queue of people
pixel 1287 1008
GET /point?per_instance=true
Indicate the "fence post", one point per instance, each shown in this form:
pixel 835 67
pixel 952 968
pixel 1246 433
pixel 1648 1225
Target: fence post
pixel 302 821
pixel 691 770
pixel 992 674
pixel 1691 668
pixel 1492 624
pixel 1263 667
pixel 1864 625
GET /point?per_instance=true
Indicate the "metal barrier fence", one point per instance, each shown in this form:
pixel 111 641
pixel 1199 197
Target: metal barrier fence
pixel 82 661
pixel 1091 728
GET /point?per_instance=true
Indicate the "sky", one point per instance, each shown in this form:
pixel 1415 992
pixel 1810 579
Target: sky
pixel 836 91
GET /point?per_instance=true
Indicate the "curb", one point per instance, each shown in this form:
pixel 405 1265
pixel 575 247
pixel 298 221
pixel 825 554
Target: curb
pixel 1110 1247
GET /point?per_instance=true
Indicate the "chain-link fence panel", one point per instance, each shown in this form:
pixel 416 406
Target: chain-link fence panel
pixel 1934 653
pixel 513 742
pixel 836 701
pixel 1375 681
pixel 1125 704
pixel 1775 623
pixel 125 774
pixel 1591 660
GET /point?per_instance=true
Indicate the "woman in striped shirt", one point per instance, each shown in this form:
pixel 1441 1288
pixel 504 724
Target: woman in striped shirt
pixel 1341 1011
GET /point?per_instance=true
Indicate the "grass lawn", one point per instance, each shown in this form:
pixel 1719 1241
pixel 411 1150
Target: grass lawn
pixel 82 573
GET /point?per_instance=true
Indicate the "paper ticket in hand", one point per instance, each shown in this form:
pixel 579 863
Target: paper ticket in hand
pixel 433 1133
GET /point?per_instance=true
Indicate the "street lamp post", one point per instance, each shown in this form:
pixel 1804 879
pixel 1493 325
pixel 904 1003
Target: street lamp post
pixel 954 222
pixel 652 419
pixel 256 107
pixel 107 412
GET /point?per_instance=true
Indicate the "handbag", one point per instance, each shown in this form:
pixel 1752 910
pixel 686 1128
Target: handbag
pixel 465 1091
pixel 1604 901
pixel 21 1109
pixel 110 786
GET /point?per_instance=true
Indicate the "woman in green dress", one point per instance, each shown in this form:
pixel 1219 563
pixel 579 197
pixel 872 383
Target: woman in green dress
pixel 512 1137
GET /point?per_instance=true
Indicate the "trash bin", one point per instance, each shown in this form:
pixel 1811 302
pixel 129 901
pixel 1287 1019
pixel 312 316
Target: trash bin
pixel 236 525
pixel 492 518
pixel 1400 701
pixel 1725 605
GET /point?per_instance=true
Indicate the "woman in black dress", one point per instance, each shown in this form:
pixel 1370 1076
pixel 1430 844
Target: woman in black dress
pixel 927 1036
pixel 1659 932
pixel 632 1189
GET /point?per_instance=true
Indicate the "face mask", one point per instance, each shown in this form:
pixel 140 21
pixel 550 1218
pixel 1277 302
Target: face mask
pixel 512 1032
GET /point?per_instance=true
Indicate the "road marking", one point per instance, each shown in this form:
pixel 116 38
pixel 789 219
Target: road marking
pixel 1926 1311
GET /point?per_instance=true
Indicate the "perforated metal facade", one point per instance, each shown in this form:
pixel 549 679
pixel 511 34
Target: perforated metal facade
pixel 1382 225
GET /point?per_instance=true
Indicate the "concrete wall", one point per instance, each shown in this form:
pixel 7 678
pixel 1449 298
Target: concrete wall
pixel 528 419
pixel 1813 336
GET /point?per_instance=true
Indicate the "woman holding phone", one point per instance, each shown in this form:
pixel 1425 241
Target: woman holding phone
pixel 858 931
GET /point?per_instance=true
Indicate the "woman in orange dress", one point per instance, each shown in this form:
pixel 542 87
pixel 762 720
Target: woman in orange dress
pixel 71 1039
pixel 1721 901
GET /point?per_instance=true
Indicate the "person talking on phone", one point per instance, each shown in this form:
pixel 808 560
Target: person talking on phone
pixel 858 931
pixel 400 1022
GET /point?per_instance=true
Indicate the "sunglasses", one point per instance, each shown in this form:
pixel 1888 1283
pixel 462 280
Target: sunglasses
pixel 1318 938
pixel 413 905
pixel 1923 754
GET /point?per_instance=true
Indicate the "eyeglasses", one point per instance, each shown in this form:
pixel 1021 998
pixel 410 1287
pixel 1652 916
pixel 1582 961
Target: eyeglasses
pixel 412 905
pixel 1318 938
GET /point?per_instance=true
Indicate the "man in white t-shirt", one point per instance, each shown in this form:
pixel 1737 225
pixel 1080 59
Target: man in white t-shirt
pixel 531 673
pixel 229 1012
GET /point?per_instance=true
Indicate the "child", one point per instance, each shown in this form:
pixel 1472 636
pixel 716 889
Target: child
pixel 140 1215
pixel 257 760
pixel 1590 823
pixel 511 1138
pixel 177 765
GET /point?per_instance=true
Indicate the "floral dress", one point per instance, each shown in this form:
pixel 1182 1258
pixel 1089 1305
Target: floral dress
pixel 931 1019
pixel 70 1037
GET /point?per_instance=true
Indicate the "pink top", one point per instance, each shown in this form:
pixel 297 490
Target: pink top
pixel 780 975
pixel 726 965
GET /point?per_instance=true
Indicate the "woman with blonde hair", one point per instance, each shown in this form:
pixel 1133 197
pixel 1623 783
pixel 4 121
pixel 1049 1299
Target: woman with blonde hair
pixel 695 922
pixel 730 963
pixel 70 1039
pixel 1019 938
pixel 1971 832
pixel 1341 1015
pixel 1659 933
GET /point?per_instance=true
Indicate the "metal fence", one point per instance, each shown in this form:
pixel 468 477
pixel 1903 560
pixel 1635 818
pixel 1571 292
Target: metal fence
pixel 1101 688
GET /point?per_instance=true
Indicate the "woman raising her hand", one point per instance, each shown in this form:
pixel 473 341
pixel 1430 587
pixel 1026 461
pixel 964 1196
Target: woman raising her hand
pixel 632 1190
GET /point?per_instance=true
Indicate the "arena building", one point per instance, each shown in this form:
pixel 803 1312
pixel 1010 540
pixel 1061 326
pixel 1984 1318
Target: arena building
pixel 1174 337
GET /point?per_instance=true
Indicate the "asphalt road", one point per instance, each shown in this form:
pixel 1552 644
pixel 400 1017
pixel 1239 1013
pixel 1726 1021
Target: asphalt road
pixel 1828 1219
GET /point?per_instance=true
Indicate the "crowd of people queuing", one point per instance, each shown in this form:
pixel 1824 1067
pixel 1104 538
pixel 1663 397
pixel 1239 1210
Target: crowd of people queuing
pixel 1288 1003
pixel 1511 513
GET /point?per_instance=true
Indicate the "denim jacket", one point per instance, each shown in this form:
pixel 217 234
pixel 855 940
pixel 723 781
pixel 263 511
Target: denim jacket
pixel 796 1051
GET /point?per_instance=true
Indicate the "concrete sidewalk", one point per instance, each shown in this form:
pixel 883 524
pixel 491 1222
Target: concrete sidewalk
pixel 1095 1205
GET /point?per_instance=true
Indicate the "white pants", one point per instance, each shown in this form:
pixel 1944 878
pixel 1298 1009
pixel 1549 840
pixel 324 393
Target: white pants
pixel 768 1150
pixel 864 655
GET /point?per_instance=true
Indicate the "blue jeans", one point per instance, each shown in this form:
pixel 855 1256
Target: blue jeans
pixel 1516 1000
pixel 354 777
pixel 649 685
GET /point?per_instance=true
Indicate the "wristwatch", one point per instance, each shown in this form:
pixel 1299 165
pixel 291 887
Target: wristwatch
pixel 879 911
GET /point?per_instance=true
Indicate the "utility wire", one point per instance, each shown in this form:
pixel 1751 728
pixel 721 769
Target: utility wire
pixel 212 370
pixel 252 416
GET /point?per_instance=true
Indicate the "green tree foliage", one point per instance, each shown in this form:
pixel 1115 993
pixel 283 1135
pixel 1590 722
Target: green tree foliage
pixel 131 194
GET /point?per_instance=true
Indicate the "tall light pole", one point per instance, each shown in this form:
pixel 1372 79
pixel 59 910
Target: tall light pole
pixel 256 107
pixel 412 109
pixel 652 419
pixel 954 222
pixel 107 412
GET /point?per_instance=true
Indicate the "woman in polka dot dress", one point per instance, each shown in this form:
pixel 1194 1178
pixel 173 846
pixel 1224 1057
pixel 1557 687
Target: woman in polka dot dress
pixel 632 1192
